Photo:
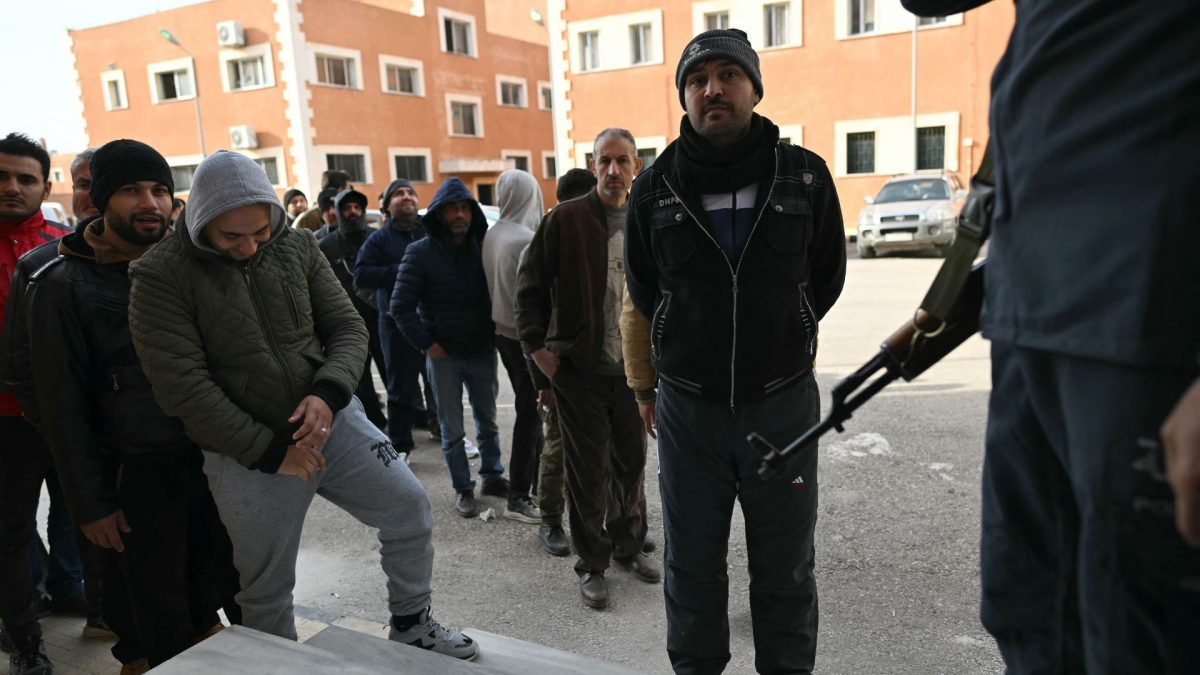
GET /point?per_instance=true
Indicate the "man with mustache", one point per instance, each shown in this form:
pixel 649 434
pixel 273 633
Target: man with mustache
pixel 568 307
pixel 735 252
pixel 131 476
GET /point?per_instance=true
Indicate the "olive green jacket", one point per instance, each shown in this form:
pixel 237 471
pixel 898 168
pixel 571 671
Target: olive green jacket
pixel 232 347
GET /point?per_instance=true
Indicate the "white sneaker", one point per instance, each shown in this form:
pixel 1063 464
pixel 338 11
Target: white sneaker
pixel 472 451
pixel 428 634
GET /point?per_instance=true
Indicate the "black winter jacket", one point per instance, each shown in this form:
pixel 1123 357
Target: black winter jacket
pixel 736 331
pixel 96 403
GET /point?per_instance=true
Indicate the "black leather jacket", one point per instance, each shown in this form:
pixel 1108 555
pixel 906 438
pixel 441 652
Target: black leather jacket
pixel 96 405
pixel 736 331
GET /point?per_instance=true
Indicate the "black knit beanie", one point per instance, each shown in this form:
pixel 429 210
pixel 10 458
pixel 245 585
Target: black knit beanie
pixel 723 43
pixel 122 162
pixel 294 192
pixel 325 199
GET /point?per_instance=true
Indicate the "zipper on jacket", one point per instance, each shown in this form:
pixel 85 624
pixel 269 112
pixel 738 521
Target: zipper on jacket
pixel 287 290
pixel 116 384
pixel 810 321
pixel 264 320
pixel 733 271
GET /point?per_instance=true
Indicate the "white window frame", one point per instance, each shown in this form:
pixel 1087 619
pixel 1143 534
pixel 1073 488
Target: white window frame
pixel 614 50
pixel 592 51
pixel 895 145
pixel 469 19
pixel 788 26
pixel 749 16
pixel 259 51
pixel 714 12
pixel 464 98
pixel 501 80
pixel 323 151
pixel 524 154
pixel 546 175
pixel 793 131
pixel 647 48
pixel 153 70
pixel 543 86
pixel 890 19
pixel 276 154
pixel 57 175
pixel 394 152
pixel 117 76
pixel 417 65
pixel 183 160
pixel 316 49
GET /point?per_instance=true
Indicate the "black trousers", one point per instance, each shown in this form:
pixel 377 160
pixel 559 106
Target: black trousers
pixel 404 367
pixel 604 458
pixel 177 568
pixel 1081 564
pixel 705 464
pixel 24 462
pixel 527 436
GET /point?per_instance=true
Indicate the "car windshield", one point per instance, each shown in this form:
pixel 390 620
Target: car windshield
pixel 913 191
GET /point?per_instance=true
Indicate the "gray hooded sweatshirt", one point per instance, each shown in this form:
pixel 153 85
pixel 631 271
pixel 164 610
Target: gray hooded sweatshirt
pixel 520 214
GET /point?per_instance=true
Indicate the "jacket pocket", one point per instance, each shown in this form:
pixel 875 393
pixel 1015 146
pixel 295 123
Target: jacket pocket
pixel 789 224
pixel 658 325
pixel 809 318
pixel 673 237
pixel 292 306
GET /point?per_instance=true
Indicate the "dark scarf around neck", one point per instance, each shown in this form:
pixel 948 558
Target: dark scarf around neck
pixel 705 169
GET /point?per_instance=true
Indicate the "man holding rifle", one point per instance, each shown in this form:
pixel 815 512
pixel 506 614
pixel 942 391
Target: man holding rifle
pixel 735 250
pixel 1090 534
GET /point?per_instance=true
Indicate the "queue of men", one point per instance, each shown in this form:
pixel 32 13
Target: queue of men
pixel 194 387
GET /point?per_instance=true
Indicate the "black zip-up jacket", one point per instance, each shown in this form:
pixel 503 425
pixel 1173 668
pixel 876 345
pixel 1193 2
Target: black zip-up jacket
pixel 737 331
pixel 96 405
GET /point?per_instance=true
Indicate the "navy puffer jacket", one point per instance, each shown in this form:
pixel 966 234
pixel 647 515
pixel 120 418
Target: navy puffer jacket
pixel 441 292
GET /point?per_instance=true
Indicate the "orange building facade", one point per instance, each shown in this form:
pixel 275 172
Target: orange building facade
pixel 837 78
pixel 380 89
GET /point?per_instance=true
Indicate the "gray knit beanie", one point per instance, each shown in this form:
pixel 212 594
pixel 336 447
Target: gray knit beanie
pixel 727 43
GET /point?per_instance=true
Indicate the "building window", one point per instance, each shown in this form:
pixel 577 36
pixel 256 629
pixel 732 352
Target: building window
pixel 403 76
pixel 115 97
pixel 458 32
pixel 355 165
pixel 647 155
pixel 336 71
pixel 182 176
pixel 930 20
pixel 931 148
pixel 57 176
pixel 545 97
pixel 171 80
pixel 270 167
pixel 639 43
pixel 549 167
pixel 860 152
pixel 464 116
pixel 589 50
pixel 401 80
pixel 520 163
pixel 510 91
pixel 716 20
pixel 247 73
pixel 862 16
pixel 413 167
pixel 775 20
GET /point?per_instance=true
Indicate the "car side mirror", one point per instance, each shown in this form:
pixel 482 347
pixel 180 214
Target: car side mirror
pixel 869 200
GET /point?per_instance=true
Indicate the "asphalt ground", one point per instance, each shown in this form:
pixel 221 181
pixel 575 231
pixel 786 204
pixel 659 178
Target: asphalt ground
pixel 897 536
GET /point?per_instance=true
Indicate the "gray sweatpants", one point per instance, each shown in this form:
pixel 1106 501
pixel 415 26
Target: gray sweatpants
pixel 264 515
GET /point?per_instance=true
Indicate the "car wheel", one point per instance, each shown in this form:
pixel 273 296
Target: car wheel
pixel 866 252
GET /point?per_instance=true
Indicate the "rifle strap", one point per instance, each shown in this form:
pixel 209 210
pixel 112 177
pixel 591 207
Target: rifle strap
pixel 974 226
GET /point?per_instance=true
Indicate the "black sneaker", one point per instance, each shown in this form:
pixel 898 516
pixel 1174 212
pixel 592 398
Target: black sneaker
pixel 30 659
pixel 522 510
pixel 554 540
pixel 465 503
pixel 495 487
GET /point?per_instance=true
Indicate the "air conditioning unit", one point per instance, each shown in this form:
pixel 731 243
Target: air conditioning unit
pixel 242 137
pixel 230 34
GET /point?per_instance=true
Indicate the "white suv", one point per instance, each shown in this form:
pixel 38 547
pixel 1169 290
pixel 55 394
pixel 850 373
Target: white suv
pixel 911 213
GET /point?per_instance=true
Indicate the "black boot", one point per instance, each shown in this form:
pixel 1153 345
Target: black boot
pixel 29 658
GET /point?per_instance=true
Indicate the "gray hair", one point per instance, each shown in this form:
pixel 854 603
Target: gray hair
pixel 614 131
pixel 85 156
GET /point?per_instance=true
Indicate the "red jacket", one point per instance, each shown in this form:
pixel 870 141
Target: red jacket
pixel 15 240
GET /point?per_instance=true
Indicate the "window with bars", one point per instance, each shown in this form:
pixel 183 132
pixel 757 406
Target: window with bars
pixel 775 20
pixel 931 148
pixel 269 167
pixel 174 84
pixel 247 73
pixel 716 20
pixel 589 50
pixel 458 36
pixel 412 167
pixel 464 118
pixel 512 94
pixel 639 43
pixel 860 152
pixel 182 176
pixel 862 16
pixel 520 162
pixel 401 80
pixel 336 71
pixel 354 165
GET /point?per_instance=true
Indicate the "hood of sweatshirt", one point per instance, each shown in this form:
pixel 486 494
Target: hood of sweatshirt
pixel 520 199
pixel 225 181
pixel 348 196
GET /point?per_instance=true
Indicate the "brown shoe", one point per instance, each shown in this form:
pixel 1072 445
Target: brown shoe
pixel 136 667
pixel 642 567
pixel 594 590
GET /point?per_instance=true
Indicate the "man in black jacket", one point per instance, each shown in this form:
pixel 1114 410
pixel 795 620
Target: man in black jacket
pixel 735 252
pixel 132 478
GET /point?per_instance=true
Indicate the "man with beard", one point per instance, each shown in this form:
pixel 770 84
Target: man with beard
pixel 327 205
pixel 375 272
pixel 24 458
pixel 314 218
pixel 295 203
pixel 735 252
pixel 131 476
pixel 341 248
pixel 568 305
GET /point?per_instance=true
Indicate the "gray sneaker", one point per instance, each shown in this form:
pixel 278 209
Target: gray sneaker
pixel 465 503
pixel 521 509
pixel 428 634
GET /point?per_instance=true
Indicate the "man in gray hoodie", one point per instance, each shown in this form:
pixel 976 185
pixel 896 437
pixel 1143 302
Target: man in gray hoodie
pixel 520 212
pixel 247 337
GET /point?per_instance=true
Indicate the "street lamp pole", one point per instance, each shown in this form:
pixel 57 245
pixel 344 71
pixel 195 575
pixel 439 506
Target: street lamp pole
pixel 916 133
pixel 169 37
